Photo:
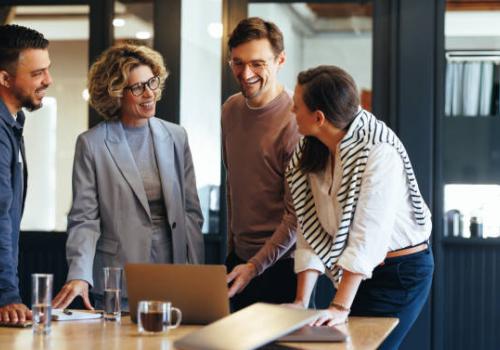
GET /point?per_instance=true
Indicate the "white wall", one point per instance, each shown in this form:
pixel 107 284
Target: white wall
pixel 305 49
pixel 292 31
pixel 200 87
pixel 51 136
pixel 41 201
pixel 351 52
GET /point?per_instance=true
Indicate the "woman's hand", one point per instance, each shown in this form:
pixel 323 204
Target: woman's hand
pixel 69 292
pixel 331 317
pixel 297 304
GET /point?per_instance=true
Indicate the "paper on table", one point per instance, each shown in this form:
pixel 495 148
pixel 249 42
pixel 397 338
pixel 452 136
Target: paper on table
pixel 72 315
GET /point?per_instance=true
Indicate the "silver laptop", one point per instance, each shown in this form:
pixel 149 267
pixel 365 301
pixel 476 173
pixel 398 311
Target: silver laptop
pixel 311 334
pixel 247 329
pixel 200 291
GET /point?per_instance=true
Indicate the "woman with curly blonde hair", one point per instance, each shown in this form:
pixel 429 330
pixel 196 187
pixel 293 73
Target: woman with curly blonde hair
pixel 134 189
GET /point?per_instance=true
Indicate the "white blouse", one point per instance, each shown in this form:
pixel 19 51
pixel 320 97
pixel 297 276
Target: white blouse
pixel 383 221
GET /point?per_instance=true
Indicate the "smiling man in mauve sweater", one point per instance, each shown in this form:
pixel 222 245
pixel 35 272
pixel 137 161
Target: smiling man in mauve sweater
pixel 259 134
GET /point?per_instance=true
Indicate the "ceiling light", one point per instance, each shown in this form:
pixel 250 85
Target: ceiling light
pixel 143 35
pixel 215 30
pixel 86 95
pixel 118 22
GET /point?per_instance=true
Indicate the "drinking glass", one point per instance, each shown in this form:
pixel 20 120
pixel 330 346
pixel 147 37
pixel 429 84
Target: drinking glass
pixel 41 299
pixel 112 293
pixel 156 316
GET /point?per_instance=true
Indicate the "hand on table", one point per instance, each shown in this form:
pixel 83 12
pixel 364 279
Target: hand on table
pixel 331 317
pixel 297 304
pixel 240 277
pixel 14 313
pixel 69 292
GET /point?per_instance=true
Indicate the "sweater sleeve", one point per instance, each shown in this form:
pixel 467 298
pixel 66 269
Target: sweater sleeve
pixel 284 236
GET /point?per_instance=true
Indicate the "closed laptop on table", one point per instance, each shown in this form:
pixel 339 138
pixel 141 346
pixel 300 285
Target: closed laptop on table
pixel 199 291
pixel 247 329
pixel 323 334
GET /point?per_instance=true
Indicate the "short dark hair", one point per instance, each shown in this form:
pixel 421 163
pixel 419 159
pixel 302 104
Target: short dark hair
pixel 13 40
pixel 255 28
pixel 333 91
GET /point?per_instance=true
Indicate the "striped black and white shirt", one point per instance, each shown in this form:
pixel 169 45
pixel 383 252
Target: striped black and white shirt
pixel 384 217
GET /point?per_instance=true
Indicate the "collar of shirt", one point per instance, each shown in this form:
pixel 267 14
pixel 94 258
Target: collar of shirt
pixel 15 123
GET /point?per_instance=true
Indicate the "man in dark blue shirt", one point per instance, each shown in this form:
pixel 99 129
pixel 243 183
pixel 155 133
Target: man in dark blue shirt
pixel 24 78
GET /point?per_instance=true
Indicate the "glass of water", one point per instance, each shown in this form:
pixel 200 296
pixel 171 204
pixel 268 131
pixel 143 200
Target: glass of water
pixel 41 299
pixel 112 293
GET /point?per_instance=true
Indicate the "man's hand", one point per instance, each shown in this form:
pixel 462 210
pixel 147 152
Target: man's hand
pixel 69 292
pixel 240 276
pixel 331 317
pixel 14 313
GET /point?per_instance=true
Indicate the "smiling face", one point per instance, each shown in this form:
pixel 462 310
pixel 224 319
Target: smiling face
pixel 136 110
pixel 255 67
pixel 31 80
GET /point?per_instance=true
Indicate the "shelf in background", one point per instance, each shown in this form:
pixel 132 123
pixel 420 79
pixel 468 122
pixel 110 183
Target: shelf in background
pixel 471 150
pixel 461 241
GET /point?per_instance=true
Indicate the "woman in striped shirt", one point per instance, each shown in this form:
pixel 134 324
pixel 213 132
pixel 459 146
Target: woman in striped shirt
pixel 362 219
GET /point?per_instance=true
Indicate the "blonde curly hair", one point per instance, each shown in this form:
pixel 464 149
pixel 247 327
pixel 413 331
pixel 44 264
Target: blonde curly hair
pixel 108 76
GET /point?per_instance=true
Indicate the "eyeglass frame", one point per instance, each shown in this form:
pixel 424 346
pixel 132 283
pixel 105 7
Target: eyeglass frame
pixel 265 64
pixel 143 86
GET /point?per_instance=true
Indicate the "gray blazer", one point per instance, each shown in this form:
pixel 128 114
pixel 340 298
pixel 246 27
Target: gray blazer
pixel 109 223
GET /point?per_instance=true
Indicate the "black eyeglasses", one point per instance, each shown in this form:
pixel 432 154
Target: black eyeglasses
pixel 138 89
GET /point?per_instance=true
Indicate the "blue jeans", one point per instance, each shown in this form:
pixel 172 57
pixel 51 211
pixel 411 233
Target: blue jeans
pixel 398 288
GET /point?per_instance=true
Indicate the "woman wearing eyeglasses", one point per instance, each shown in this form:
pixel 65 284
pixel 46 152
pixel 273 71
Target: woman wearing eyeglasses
pixel 134 189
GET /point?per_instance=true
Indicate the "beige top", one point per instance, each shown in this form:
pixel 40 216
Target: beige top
pixel 257 144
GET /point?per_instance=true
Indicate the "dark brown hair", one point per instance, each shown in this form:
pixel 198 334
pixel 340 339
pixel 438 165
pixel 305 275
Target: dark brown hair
pixel 13 40
pixel 255 28
pixel 331 90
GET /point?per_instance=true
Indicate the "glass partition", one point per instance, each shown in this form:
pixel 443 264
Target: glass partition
pixel 471 124
pixel 200 105
pixel 324 33
pixel 133 21
pixel 51 132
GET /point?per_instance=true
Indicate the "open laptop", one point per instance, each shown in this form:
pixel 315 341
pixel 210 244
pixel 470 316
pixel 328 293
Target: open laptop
pixel 199 291
pixel 248 329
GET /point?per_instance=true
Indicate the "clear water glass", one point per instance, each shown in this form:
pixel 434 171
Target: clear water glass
pixel 112 293
pixel 41 302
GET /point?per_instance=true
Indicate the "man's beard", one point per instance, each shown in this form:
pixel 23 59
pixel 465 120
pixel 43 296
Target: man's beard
pixel 26 100
pixel 254 94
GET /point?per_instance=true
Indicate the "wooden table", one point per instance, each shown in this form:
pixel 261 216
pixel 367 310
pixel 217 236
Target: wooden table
pixel 364 333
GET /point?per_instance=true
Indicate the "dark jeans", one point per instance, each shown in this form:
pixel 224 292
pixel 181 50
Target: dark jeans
pixel 276 285
pixel 398 288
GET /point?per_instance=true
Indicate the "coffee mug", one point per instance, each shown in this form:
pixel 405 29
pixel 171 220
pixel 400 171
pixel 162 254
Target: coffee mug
pixel 156 316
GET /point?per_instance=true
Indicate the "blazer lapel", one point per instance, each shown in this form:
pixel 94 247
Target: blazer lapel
pixel 122 155
pixel 165 158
